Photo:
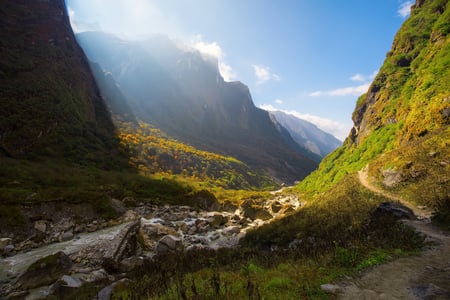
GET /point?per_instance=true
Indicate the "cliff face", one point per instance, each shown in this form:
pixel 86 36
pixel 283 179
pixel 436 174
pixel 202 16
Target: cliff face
pixel 411 90
pixel 182 92
pixel 49 102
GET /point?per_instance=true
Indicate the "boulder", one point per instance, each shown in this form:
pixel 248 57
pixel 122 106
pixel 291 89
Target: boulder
pixel 287 209
pixel 398 211
pixel 256 212
pixel 232 230
pixel 131 263
pixel 156 231
pixel 5 242
pixel 66 236
pixel 229 207
pixel 109 292
pixel 391 177
pixel 118 206
pixel 276 206
pixel 40 225
pixel 97 275
pixel 431 291
pixel 207 201
pixel 217 220
pixel 168 244
pixel 91 227
pixel 45 271
pixel 66 286
pixel 8 250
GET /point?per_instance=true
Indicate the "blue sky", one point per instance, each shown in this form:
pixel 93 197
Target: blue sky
pixel 308 58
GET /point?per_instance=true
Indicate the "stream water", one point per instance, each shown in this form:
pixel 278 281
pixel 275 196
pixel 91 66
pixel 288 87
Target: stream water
pixel 20 262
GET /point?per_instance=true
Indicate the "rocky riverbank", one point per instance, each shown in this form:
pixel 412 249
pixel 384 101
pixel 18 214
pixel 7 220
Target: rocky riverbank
pixel 97 250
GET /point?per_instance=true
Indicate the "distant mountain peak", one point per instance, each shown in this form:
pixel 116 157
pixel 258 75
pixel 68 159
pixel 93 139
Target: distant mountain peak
pixel 307 134
pixel 181 91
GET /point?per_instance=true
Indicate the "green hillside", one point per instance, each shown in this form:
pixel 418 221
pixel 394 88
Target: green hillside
pixel 402 122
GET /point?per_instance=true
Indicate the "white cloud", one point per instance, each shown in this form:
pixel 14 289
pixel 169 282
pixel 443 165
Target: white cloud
pixel 345 91
pixel 264 74
pixel 213 49
pixel 337 129
pixel 364 78
pixel 357 77
pixel 278 101
pixel 405 9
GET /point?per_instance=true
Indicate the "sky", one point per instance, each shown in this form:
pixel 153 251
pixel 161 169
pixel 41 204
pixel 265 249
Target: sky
pixel 311 59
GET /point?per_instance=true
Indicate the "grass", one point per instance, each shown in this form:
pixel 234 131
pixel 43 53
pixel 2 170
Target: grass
pixel 288 259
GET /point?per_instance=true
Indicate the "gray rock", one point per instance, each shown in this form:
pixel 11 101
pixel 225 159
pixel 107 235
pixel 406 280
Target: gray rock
pixel 131 263
pixel 8 250
pixel 431 291
pixel 45 271
pixel 396 210
pixel 168 244
pixel 254 212
pixel 118 206
pixel 40 225
pixel 391 177
pixel 97 275
pixel 232 230
pixel 330 288
pixel 217 220
pixel 5 245
pixel 105 293
pixel 72 281
pixel 91 227
pixel 66 236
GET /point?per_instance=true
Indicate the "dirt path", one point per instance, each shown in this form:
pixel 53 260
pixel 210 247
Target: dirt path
pixel 426 276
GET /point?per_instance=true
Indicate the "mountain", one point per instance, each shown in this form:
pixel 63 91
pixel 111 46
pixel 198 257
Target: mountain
pixel 401 130
pixel 50 105
pixel 180 91
pixel 307 134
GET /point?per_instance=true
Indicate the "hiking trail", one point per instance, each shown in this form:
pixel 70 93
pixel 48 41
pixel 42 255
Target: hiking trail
pixel 425 276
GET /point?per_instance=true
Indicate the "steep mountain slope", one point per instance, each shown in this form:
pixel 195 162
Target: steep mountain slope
pixel 181 92
pixel 307 134
pixel 402 123
pixel 49 102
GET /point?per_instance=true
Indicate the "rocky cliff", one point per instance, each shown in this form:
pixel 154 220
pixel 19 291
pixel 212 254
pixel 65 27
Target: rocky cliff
pixel 50 105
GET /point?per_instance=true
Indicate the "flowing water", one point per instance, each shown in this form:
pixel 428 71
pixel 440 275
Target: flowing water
pixel 20 262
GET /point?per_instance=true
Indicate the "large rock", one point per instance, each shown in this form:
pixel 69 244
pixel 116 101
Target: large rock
pixel 168 244
pixel 45 271
pixel 40 225
pixel 393 209
pixel 391 177
pixel 229 207
pixel 156 230
pixel 207 201
pixel 5 245
pixel 65 287
pixel 276 206
pixel 256 212
pixel 66 236
pixel 217 220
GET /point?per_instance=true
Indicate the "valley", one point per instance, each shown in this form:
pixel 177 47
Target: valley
pixel 141 169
